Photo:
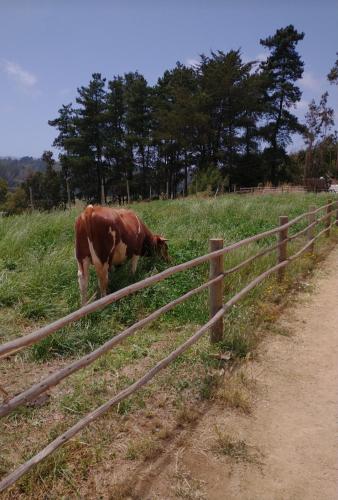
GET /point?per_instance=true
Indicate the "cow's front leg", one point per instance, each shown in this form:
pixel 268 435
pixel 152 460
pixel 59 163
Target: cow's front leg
pixel 134 262
pixel 102 275
pixel 82 274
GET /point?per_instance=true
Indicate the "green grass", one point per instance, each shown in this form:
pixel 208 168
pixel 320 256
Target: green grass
pixel 38 275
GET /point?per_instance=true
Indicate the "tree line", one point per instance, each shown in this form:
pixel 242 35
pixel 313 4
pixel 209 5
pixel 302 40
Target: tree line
pixel 223 122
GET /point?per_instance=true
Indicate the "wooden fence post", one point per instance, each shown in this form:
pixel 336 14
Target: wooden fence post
pixel 311 230
pixel 336 213
pixel 282 249
pixel 216 290
pixel 328 220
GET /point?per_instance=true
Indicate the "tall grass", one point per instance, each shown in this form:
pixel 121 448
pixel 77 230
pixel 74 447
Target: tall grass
pixel 38 274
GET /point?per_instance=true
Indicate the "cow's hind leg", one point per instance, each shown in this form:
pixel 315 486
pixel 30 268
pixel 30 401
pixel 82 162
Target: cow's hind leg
pixel 102 276
pixel 83 274
pixel 134 262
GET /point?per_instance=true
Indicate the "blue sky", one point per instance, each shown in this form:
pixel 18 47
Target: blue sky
pixel 49 48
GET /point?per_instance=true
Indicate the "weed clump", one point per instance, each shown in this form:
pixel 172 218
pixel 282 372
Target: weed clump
pixel 235 392
pixel 227 445
pixel 144 449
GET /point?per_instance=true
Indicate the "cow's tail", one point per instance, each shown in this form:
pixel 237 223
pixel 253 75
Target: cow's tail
pixel 88 215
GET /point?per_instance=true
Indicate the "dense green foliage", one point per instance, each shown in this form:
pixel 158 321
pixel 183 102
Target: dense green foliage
pixel 124 136
pixel 3 190
pixel 38 274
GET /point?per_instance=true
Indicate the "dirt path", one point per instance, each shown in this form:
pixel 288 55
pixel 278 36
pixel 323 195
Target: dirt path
pixel 291 432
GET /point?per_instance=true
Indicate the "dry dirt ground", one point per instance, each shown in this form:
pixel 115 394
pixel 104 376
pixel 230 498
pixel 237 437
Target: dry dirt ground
pixel 287 444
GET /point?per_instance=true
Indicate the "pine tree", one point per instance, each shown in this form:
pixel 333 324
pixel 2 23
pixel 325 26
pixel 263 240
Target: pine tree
pixel 51 183
pixel 88 143
pixel 174 126
pixel 115 137
pixel 138 128
pixel 231 101
pixel 282 69
pixel 66 143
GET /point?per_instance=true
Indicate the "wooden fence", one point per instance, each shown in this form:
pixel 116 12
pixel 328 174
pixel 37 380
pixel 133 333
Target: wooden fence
pixel 271 190
pixel 215 323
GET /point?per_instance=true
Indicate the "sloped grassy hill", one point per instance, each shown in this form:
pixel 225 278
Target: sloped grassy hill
pixel 38 274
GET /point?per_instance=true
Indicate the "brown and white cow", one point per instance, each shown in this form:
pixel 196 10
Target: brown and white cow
pixel 106 237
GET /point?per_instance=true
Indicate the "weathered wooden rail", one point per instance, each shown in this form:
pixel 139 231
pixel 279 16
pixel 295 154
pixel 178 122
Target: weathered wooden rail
pixel 270 190
pixel 215 323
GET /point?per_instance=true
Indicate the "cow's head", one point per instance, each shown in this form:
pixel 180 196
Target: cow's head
pixel 161 247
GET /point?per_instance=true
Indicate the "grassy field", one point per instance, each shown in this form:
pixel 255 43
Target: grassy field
pixel 38 283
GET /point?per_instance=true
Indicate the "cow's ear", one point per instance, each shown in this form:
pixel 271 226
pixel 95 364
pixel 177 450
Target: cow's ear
pixel 162 239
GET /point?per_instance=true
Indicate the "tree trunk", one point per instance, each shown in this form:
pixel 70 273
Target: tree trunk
pixel 128 192
pixel 185 177
pixel 308 167
pixel 68 193
pixel 31 198
pixel 102 192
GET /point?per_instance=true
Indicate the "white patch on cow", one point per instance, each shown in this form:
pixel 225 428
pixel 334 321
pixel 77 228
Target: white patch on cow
pixel 113 234
pixel 96 261
pixel 139 225
pixel 100 268
pixel 83 275
pixel 134 262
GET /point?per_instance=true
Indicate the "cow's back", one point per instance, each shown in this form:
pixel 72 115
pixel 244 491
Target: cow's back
pixel 112 235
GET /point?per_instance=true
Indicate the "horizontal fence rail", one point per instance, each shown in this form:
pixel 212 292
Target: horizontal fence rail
pixel 216 317
pixel 270 190
pixel 86 360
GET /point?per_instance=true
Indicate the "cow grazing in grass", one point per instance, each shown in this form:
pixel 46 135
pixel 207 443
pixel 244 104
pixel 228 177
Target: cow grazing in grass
pixel 107 237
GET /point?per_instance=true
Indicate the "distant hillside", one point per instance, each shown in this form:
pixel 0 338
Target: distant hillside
pixel 16 170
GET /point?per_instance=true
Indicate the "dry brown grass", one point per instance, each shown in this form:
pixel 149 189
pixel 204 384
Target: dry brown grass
pixel 187 487
pixel 186 415
pixel 121 491
pixel 231 446
pixel 146 448
pixel 235 391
